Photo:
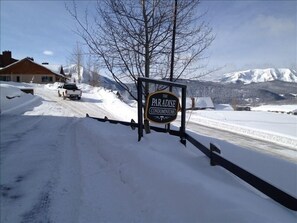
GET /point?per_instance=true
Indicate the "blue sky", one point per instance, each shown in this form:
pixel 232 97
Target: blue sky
pixel 249 34
pixel 253 34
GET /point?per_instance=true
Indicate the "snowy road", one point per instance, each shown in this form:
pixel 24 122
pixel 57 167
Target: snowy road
pixel 245 141
pixel 31 188
pixel 74 107
pixel 37 193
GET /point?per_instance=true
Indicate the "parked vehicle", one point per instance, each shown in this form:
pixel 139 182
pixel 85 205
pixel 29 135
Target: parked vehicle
pixel 69 90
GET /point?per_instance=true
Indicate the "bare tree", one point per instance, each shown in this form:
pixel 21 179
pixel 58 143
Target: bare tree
pixel 133 38
pixel 77 58
pixel 93 70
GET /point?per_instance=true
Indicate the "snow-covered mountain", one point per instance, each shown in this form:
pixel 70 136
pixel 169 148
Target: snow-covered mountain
pixel 73 72
pixel 89 77
pixel 260 75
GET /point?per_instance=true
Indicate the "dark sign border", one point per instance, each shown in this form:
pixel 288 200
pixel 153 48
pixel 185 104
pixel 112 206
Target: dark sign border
pixel 156 118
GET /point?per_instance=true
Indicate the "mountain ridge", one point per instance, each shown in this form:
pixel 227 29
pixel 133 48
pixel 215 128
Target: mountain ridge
pixel 254 93
pixel 260 75
pixel 272 92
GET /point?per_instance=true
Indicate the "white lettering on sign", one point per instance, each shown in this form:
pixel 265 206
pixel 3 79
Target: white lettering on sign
pixel 162 111
pixel 158 102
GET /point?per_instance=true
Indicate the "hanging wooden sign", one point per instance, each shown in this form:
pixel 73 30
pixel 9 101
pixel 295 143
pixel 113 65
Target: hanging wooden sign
pixel 162 107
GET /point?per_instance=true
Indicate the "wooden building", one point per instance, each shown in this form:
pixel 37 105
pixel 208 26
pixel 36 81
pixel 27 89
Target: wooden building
pixel 26 70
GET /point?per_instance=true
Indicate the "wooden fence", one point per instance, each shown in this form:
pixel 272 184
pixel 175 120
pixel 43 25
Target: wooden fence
pixel 212 153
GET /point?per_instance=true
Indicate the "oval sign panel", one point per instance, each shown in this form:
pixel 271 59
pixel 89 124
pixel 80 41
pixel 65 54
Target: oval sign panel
pixel 162 107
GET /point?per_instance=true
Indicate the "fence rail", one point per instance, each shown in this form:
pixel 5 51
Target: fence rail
pixel 270 190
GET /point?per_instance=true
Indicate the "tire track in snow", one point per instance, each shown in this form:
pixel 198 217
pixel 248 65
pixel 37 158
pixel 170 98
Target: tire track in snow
pixel 68 180
pixel 33 181
pixel 39 212
pixel 25 126
pixel 77 108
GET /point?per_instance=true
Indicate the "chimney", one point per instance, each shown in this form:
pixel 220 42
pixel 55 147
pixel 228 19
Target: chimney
pixel 6 55
pixel 6 58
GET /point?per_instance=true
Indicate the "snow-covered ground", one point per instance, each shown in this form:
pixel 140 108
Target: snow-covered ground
pixel 277 108
pixel 58 166
pixel 274 127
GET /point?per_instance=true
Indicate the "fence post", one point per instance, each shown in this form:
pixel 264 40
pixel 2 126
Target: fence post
pixel 139 99
pixel 213 149
pixel 183 118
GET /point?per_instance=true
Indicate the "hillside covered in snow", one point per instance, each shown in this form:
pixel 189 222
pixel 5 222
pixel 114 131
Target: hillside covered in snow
pixel 260 75
pixel 77 73
pixel 244 88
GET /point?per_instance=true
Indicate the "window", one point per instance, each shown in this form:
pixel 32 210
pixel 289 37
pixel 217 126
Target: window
pixel 5 78
pixel 70 87
pixel 46 79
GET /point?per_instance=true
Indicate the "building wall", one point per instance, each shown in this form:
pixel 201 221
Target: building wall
pixel 26 70
pixel 34 78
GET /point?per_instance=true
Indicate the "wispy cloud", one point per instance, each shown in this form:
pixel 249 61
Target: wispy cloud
pixel 274 25
pixel 48 52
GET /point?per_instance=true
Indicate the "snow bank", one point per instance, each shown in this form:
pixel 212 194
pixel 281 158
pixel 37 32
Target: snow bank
pixel 53 86
pixel 279 108
pixel 277 128
pixel 110 102
pixel 13 100
pixel 163 181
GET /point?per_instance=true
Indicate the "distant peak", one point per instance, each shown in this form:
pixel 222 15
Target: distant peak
pixel 260 75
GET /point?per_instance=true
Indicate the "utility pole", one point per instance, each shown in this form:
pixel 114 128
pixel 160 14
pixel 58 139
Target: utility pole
pixel 172 49
pixel 173 43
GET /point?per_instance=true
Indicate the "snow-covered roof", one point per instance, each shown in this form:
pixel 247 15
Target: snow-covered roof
pixel 203 102
pixel 199 103
pixel 34 63
pixel 53 67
